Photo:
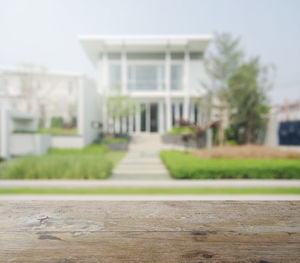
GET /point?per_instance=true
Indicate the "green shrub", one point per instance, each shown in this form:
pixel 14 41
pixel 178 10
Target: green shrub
pixel 113 140
pixel 90 149
pixel 58 131
pixel 231 142
pixel 56 122
pixel 59 167
pixel 181 130
pixel 182 165
pixel 91 162
pixel 24 131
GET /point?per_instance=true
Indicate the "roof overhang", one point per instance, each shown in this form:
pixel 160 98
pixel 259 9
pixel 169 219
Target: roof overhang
pixel 95 44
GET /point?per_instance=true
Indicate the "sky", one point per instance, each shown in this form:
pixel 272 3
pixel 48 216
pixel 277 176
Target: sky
pixel 45 32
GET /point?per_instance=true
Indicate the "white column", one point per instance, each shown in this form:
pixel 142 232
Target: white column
pixel 5 134
pixel 124 71
pixel 130 122
pixel 209 138
pixel 161 117
pixel 81 108
pixel 124 124
pixel 177 112
pixel 138 118
pixel 168 90
pixel 192 107
pixel 117 125
pixel 104 89
pixel 186 87
pixel 148 117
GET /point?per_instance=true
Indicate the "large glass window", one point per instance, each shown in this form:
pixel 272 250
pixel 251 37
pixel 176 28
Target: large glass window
pixel 146 77
pixel 176 76
pixel 143 116
pixel 115 76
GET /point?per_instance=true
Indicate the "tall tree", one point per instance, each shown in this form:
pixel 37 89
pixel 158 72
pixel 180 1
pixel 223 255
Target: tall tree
pixel 221 63
pixel 247 97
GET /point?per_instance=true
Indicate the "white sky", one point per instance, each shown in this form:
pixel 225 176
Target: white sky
pixel 45 32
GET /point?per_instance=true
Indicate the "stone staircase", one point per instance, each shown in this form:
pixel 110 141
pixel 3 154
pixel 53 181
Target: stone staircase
pixel 146 143
pixel 142 162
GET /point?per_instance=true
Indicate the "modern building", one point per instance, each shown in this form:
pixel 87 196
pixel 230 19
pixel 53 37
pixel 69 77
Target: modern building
pixel 284 125
pixel 42 92
pixel 163 76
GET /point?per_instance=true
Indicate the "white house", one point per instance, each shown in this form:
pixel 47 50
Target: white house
pixel 162 75
pixel 23 91
pixel 43 92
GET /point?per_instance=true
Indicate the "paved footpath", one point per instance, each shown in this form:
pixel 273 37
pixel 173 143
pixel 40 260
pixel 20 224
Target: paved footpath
pixel 140 166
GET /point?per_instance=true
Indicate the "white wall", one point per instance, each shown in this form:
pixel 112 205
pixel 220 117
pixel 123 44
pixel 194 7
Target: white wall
pixel 11 120
pixel 67 141
pixel 35 144
pixel 89 111
pixel 198 76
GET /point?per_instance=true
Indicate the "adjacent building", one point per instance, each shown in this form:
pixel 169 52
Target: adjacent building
pixel 284 125
pixel 163 76
pixel 47 94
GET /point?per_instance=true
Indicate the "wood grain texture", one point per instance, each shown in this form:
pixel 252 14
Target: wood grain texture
pixel 146 231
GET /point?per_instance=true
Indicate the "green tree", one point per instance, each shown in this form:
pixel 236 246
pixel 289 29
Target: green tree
pixel 247 97
pixel 221 63
pixel 119 106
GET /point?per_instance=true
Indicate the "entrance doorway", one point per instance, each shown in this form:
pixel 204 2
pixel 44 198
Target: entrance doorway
pixel 153 117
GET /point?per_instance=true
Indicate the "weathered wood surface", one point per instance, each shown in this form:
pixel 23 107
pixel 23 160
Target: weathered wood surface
pixel 163 231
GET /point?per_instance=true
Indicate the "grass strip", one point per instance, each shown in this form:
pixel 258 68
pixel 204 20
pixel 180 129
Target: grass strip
pixel 182 165
pixel 154 191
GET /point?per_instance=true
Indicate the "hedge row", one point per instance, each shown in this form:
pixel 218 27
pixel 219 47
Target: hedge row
pixel 182 165
pixel 91 162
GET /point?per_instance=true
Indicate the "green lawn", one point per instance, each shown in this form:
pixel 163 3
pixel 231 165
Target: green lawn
pixel 182 165
pixel 58 131
pixel 155 191
pixel 91 162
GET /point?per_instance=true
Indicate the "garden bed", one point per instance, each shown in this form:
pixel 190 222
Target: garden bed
pixel 183 165
pixel 91 162
pixel 115 144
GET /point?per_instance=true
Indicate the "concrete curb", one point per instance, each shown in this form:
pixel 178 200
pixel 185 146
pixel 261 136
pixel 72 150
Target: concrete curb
pixel 90 184
pixel 151 197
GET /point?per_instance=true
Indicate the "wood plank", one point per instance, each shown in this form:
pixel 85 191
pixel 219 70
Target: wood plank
pixel 150 231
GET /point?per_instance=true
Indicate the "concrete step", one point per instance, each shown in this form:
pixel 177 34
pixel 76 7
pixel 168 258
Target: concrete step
pixel 140 167
pixel 141 163
pixel 145 177
pixel 139 172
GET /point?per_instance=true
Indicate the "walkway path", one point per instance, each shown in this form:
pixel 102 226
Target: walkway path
pixel 140 166
pixel 142 162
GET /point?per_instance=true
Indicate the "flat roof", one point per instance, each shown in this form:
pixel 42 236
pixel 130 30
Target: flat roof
pixel 95 44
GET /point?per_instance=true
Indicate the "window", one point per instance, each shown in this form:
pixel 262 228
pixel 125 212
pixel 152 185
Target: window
pixel 145 56
pixel 176 77
pixel 143 116
pixel 196 55
pixel 114 56
pixel 177 56
pixel 146 77
pixel 115 76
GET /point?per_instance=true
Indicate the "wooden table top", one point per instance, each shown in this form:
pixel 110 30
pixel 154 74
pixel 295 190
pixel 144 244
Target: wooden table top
pixel 150 231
